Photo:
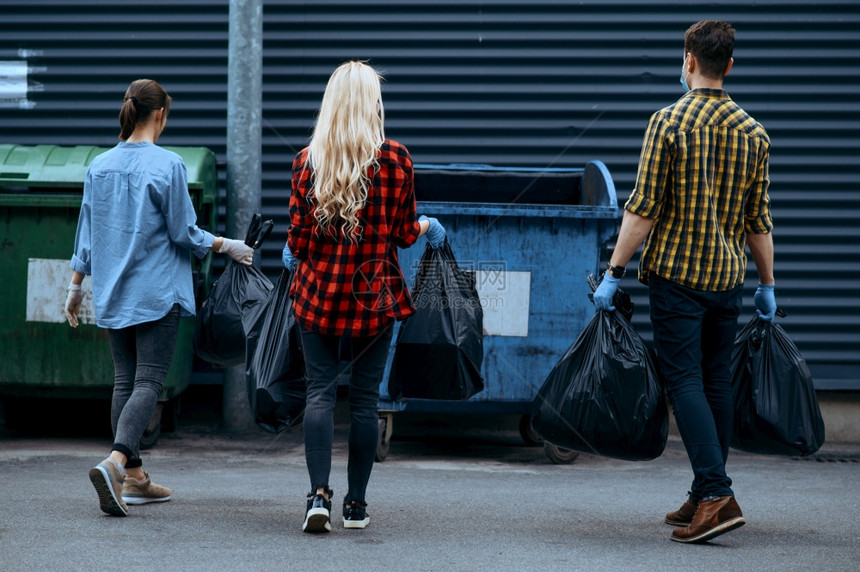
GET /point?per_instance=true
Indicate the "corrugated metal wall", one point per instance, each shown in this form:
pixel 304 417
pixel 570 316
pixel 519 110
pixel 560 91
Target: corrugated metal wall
pixel 541 83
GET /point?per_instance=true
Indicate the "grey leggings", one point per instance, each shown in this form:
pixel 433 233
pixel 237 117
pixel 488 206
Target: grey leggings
pixel 141 358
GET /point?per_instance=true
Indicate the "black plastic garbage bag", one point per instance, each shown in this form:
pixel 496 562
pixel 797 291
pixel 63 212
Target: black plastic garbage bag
pixel 775 407
pixel 219 337
pixel 275 366
pixel 604 396
pixel 440 348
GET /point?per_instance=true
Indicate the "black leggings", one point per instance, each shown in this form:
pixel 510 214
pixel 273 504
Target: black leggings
pixel 367 357
pixel 141 358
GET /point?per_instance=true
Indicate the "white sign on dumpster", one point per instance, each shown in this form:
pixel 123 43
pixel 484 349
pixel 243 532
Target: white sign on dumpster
pixel 504 297
pixel 47 288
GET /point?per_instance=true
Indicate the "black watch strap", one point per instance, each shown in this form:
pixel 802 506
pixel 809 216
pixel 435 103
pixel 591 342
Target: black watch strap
pixel 615 271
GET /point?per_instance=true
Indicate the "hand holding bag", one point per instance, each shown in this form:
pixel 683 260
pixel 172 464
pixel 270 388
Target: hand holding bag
pixel 219 337
pixel 439 349
pixel 775 407
pixel 604 396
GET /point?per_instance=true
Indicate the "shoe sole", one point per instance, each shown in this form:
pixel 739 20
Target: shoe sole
pixel 107 499
pixel 723 528
pixel 317 520
pixel 144 500
pixel 356 523
pixel 670 522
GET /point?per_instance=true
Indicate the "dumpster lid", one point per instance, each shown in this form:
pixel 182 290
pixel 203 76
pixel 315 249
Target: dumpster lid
pixel 46 165
pixel 54 166
pixel 590 186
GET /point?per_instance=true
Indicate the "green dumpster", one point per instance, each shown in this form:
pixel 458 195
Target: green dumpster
pixel 40 355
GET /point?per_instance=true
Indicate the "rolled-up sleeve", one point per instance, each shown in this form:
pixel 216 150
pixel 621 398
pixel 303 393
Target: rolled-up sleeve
pixel 83 239
pixel 180 217
pixel 757 217
pixel 655 165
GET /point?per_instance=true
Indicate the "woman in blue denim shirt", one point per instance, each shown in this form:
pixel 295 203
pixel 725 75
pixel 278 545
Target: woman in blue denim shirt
pixel 136 227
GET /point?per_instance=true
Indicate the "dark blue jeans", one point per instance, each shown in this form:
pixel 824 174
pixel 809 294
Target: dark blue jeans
pixel 326 357
pixel 694 333
pixel 141 358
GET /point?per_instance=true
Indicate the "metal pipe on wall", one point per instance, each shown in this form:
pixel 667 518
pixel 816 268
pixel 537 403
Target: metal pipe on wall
pixel 244 166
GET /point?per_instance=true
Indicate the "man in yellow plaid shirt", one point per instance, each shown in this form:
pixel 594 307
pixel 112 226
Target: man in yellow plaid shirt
pixel 700 198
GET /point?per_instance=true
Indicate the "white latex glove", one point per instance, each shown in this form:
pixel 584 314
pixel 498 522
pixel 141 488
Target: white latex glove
pixel 238 251
pixel 73 304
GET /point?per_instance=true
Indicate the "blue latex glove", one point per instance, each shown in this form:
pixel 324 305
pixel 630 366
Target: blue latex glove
pixel 436 232
pixel 765 302
pixel 290 261
pixel 605 291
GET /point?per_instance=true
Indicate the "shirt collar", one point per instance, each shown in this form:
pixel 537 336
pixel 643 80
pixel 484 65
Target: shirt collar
pixel 709 93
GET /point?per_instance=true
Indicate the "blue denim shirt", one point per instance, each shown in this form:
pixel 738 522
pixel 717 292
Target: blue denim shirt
pixel 136 227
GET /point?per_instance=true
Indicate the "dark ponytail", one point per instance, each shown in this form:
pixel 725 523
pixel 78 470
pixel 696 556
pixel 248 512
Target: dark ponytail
pixel 142 98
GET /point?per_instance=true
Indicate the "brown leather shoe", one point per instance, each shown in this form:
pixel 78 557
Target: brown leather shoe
pixel 713 518
pixel 683 516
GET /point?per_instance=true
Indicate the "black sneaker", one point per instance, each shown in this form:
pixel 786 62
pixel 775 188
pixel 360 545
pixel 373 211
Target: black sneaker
pixel 355 515
pixel 319 510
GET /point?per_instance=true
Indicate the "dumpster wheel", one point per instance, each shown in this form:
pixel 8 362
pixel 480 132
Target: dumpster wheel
pixel 559 455
pixel 386 428
pixel 527 431
pixel 153 429
pixel 170 415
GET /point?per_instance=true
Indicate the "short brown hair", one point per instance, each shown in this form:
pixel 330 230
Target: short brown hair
pixel 142 97
pixel 712 43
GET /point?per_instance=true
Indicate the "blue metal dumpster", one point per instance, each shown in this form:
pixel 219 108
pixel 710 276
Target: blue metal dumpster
pixel 531 236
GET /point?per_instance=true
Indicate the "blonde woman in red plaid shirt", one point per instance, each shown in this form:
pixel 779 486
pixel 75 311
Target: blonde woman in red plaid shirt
pixel 352 203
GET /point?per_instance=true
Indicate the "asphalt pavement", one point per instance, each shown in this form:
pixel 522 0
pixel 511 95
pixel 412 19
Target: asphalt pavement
pixel 454 494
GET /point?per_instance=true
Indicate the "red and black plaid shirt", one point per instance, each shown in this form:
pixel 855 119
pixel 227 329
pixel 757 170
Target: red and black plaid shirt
pixel 346 288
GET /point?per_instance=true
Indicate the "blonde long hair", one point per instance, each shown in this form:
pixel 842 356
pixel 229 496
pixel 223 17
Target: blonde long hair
pixel 346 140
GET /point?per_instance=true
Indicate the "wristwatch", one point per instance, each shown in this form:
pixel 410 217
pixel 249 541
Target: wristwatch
pixel 615 271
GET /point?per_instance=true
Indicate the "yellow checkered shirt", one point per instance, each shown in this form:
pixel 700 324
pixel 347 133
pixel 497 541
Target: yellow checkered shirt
pixel 703 179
